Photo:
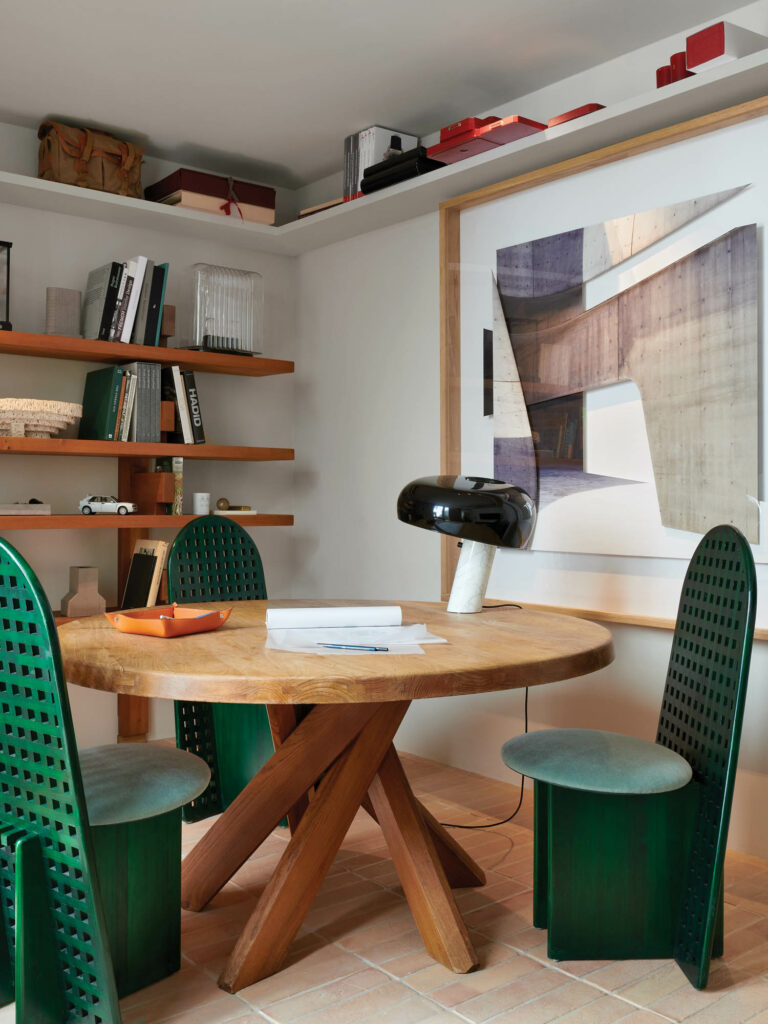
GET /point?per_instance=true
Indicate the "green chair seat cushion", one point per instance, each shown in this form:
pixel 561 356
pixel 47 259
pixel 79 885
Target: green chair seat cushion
pixel 600 762
pixel 132 781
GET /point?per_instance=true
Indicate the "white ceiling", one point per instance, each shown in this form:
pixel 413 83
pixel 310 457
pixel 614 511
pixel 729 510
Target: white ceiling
pixel 268 90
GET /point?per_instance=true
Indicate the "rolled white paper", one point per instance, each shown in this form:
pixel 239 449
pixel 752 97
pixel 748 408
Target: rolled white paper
pixel 325 618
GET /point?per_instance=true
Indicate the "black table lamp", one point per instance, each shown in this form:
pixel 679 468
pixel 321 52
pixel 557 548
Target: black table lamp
pixel 484 514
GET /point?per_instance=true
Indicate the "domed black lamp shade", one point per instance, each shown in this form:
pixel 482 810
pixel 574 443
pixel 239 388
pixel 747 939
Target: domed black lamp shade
pixel 484 514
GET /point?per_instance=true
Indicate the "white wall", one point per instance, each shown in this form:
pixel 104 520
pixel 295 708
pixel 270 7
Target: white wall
pixel 59 250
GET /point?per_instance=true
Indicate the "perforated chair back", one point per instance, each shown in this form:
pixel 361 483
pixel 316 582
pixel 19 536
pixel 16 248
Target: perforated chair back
pixel 41 795
pixel 215 559
pixel 701 716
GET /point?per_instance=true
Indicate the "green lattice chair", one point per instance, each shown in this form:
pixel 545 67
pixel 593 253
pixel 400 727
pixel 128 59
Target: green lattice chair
pixel 90 845
pixel 214 559
pixel 630 835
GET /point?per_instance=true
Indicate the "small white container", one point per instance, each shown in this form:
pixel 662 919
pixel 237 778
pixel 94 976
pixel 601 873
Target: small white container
pixel 201 503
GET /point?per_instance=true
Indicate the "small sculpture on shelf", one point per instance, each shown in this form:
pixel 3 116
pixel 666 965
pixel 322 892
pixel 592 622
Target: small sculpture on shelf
pixel 224 508
pixel 106 505
pixel 83 597
pixel 33 507
pixel 36 417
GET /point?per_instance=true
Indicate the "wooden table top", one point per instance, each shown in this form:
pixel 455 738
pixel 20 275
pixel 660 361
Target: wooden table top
pixel 496 649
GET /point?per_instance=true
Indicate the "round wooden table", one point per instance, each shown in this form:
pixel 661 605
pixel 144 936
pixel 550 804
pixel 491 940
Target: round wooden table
pixel 353 706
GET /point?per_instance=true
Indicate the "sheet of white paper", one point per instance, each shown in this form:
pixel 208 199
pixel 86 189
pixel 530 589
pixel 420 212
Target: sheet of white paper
pixel 304 618
pixel 395 638
pixel 287 645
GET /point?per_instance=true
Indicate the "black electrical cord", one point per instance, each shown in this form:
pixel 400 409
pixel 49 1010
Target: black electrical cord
pixel 493 824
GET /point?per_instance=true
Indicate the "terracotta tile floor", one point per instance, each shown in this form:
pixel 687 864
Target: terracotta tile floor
pixel 359 958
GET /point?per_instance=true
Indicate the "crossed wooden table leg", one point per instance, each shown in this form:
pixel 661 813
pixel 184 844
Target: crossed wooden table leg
pixel 349 748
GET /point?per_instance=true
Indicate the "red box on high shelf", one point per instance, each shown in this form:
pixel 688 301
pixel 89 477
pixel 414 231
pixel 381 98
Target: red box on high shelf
pixel 720 43
pixel 465 126
pixel 571 115
pixel 490 134
pixel 214 193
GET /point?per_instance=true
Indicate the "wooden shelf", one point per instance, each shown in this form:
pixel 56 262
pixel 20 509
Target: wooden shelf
pixel 617 618
pixel 135 449
pixel 715 89
pixel 18 343
pixel 129 522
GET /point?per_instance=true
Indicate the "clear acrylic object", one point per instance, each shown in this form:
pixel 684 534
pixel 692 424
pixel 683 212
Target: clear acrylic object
pixel 229 309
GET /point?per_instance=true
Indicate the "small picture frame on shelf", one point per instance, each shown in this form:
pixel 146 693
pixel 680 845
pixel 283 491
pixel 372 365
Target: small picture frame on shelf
pixel 5 286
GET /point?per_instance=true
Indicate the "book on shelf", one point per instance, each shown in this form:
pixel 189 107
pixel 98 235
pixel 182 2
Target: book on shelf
pixel 309 210
pixel 145 573
pixel 249 212
pixel 129 402
pixel 370 146
pixel 177 468
pixel 142 306
pixel 135 270
pixel 145 420
pixel 193 406
pixel 173 390
pixel 101 400
pixel 121 304
pixel 156 303
pixel 99 301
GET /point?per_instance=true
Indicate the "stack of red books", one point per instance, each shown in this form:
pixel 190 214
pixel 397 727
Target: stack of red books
pixel 213 193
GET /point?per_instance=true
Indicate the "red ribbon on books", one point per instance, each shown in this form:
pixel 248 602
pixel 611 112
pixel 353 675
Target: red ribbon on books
pixel 232 201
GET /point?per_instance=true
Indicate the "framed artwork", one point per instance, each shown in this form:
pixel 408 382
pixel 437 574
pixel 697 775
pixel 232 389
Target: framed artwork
pixel 601 336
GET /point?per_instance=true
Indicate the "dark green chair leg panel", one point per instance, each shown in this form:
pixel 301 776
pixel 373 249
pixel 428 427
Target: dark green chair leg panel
pixel 38 982
pixel 140 871
pixel 41 789
pixel 616 865
pixel 215 559
pixel 195 732
pixel 540 854
pixel 719 937
pixel 701 718
pixel 243 745
pixel 8 836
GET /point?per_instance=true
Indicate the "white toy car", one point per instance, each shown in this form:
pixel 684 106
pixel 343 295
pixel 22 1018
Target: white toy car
pixel 108 505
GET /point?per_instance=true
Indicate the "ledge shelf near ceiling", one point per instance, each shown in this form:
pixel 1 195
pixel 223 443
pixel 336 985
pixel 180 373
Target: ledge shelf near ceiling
pixel 734 83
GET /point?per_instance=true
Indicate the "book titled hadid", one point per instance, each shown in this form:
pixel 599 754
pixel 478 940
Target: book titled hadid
pixel 193 405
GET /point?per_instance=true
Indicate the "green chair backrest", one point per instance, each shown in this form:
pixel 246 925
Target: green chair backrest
pixel 41 794
pixel 701 716
pixel 213 559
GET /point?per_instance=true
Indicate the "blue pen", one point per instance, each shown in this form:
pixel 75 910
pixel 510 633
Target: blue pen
pixel 353 647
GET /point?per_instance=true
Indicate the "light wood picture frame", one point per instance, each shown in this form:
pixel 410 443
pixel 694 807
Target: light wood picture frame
pixel 450 255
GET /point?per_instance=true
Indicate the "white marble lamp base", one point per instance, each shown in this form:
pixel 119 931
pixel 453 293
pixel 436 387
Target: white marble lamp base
pixel 471 579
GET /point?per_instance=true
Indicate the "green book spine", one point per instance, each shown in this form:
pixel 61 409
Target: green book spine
pixel 100 401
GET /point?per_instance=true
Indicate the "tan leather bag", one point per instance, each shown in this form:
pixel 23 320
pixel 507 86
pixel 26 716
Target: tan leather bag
pixel 89 158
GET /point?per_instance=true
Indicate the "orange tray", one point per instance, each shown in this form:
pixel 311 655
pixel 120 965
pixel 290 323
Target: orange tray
pixel 168 621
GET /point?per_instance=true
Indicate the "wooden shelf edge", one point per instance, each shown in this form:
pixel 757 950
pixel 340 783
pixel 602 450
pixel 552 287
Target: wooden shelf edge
pixel 21 343
pixel 617 618
pixel 135 449
pixel 129 522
